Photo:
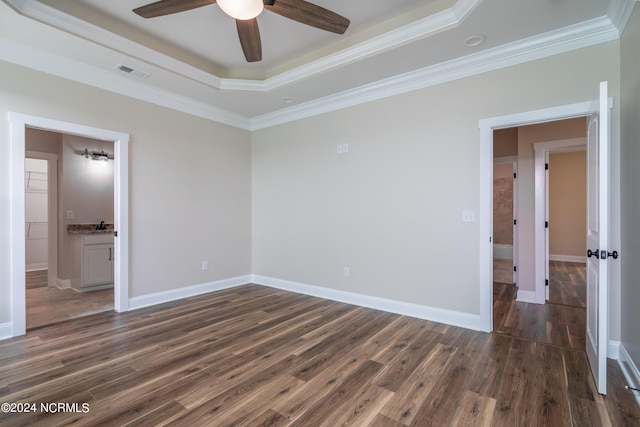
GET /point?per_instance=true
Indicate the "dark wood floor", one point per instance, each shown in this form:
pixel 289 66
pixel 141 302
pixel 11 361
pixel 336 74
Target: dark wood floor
pixel 568 283
pixel 561 321
pixel 48 305
pixel 256 356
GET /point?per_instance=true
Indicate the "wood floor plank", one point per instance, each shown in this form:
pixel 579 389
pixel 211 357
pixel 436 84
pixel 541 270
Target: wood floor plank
pixel 399 368
pixel 255 356
pixel 552 406
pixel 382 421
pixel 324 383
pixel 474 410
pixel 361 408
pixel 338 398
pixel 209 409
pixel 620 407
pixel 405 402
pixel 269 418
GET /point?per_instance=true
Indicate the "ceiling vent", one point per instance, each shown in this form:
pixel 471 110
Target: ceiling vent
pixel 132 72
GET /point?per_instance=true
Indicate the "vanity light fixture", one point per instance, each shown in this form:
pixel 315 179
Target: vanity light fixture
pixel 94 155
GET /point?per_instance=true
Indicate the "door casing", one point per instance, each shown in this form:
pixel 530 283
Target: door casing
pixel 17 124
pixel 487 126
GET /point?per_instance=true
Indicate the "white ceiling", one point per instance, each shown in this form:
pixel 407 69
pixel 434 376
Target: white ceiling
pixel 195 63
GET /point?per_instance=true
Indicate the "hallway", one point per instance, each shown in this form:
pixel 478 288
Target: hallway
pixel 560 322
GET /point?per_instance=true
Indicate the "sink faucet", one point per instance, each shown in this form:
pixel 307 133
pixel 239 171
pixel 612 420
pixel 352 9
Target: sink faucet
pixel 101 226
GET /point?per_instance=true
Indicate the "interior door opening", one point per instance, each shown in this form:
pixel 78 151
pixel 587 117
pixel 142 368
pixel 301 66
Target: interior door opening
pixel 18 124
pixel 57 173
pixel 566 201
pixel 596 336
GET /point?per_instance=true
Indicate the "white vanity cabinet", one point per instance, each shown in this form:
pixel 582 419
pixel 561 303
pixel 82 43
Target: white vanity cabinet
pixel 92 261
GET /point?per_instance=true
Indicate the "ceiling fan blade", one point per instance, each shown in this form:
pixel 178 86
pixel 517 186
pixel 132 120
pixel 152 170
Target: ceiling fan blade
pixel 167 7
pixel 310 14
pixel 249 35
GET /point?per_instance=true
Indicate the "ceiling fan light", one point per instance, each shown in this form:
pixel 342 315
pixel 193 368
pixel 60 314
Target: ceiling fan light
pixel 241 9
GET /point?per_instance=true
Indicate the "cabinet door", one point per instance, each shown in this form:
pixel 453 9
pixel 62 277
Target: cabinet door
pixel 97 264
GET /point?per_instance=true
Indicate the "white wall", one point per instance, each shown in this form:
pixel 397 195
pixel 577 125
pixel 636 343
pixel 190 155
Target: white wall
pixel 86 189
pixel 36 214
pixel 630 188
pixel 190 182
pixel 568 205
pixel 391 208
pixel 527 137
pixel 87 186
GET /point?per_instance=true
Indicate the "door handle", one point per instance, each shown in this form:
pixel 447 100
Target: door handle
pixel 605 254
pixel 591 253
pixel 109 254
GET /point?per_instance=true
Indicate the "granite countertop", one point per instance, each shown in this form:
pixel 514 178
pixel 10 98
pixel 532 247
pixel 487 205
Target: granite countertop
pixel 88 229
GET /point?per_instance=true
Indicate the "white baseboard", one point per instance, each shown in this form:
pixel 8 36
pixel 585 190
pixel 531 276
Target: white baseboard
pixel 502 251
pixel 36 267
pixel 64 283
pixel 449 317
pixel 630 371
pixel 186 292
pixel 6 330
pixel 527 296
pixel 568 258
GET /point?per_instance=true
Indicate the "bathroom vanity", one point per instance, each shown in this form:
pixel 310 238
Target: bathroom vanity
pixel 91 260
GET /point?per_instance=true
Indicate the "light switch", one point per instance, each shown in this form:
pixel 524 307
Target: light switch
pixel 69 214
pixel 342 148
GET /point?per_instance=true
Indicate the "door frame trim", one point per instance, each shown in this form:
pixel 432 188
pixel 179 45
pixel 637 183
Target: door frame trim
pixel 513 161
pixel 541 193
pixel 52 212
pixel 17 124
pixel 487 126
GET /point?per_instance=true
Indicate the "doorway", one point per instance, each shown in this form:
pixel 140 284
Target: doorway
pixel 566 220
pixel 598 137
pixel 85 189
pixel 18 125
pixel 562 196
pixel 528 272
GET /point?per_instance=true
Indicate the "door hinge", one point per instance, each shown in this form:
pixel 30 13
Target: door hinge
pixel 515 175
pixel 546 282
pixel 115 234
pixel 546 224
pixel 515 268
pixel 515 222
pixel 546 166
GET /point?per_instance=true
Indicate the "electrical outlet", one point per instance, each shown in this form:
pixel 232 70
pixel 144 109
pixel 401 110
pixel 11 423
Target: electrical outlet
pixel 205 265
pixel 345 271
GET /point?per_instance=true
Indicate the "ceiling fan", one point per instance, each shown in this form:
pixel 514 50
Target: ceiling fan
pixel 245 13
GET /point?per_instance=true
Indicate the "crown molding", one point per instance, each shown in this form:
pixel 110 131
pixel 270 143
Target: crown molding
pixel 619 12
pixel 600 30
pixel 57 65
pixel 586 34
pixel 65 22
pixel 430 25
pixel 443 20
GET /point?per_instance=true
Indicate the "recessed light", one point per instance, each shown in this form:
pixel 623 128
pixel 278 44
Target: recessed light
pixel 474 41
pixel 287 100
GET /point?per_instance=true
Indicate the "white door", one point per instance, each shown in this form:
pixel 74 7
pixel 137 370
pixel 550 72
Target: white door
pixel 598 239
